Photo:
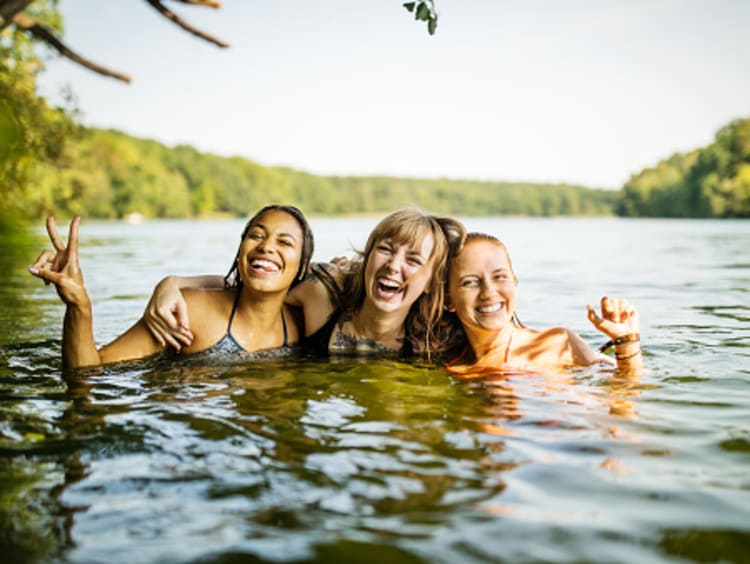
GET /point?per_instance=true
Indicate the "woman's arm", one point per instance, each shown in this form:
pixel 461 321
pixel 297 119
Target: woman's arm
pixel 315 298
pixel 166 314
pixel 64 271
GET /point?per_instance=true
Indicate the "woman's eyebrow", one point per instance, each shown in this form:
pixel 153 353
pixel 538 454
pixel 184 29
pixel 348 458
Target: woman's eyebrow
pixel 283 234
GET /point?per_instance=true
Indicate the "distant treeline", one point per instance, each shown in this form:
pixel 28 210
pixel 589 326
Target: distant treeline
pixel 713 181
pixel 109 174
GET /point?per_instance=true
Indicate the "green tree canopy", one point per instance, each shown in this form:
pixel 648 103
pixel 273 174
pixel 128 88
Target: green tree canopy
pixel 713 181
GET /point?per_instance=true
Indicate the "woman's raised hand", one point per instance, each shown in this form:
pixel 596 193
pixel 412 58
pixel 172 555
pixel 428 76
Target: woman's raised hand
pixel 166 315
pixel 620 322
pixel 62 269
pixel 618 318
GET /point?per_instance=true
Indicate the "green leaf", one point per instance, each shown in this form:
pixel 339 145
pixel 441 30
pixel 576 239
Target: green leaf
pixel 410 6
pixel 423 12
pixel 432 26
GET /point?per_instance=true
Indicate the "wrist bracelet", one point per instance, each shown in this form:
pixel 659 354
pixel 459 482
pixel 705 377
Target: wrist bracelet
pixel 628 356
pixel 621 340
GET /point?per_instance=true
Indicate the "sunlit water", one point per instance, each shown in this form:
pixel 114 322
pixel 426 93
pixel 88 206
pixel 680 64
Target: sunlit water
pixel 380 461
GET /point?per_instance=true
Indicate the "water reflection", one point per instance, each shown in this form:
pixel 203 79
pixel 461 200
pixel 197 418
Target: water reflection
pixel 323 462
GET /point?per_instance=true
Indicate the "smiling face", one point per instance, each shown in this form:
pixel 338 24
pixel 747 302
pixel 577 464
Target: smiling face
pixel 397 273
pixel 270 254
pixel 482 286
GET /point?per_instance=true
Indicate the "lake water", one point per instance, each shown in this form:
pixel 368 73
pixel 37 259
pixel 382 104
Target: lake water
pixel 381 461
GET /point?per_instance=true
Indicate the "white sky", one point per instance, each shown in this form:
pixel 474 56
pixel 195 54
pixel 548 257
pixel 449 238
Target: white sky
pixel 579 91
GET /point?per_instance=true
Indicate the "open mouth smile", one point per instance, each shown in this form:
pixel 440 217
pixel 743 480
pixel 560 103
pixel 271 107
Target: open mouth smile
pixel 387 288
pixel 490 308
pixel 264 266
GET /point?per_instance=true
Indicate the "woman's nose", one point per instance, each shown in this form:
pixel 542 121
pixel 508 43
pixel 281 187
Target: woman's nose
pixel 485 289
pixel 265 245
pixel 394 262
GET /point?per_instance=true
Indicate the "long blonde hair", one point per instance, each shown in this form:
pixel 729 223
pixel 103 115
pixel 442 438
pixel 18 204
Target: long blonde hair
pixel 411 226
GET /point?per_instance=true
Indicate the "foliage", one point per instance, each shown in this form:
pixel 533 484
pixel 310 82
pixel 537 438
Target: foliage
pixel 713 181
pixel 424 11
pixel 31 132
pixel 109 174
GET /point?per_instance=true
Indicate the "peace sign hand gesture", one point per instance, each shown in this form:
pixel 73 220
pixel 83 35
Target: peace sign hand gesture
pixel 62 269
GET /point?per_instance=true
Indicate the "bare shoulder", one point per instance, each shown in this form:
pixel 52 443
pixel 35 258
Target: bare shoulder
pixel 209 312
pixel 201 298
pixel 314 297
pixel 550 346
pixel 577 352
pixel 549 337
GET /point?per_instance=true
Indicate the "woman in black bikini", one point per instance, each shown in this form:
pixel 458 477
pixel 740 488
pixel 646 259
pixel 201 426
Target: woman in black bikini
pixel 247 318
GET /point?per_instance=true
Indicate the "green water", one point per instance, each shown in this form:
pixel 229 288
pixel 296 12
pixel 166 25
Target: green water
pixel 377 461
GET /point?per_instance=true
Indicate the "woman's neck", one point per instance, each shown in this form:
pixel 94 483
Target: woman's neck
pixel 378 326
pixel 491 346
pixel 259 311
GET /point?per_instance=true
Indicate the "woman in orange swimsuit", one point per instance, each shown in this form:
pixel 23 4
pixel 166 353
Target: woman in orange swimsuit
pixel 482 294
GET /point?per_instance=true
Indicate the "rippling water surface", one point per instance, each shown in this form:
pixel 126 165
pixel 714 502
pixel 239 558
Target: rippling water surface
pixel 381 461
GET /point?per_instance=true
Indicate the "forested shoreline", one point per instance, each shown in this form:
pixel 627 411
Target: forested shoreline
pixel 109 174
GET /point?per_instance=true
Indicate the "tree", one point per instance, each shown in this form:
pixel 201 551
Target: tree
pixel 30 130
pixel 713 181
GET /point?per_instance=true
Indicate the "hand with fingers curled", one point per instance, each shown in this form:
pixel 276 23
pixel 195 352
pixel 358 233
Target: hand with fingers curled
pixel 619 320
pixel 62 268
pixel 166 315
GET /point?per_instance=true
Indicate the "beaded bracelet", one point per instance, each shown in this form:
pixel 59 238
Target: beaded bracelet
pixel 628 356
pixel 621 340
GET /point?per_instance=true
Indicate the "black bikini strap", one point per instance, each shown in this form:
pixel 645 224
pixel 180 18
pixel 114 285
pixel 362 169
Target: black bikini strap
pixel 234 308
pixel 283 323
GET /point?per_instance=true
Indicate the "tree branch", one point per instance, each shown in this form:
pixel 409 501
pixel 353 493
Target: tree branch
pixel 164 11
pixel 27 23
pixel 206 3
pixel 9 8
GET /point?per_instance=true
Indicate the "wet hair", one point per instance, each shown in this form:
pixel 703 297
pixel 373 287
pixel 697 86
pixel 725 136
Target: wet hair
pixel 477 236
pixel 232 279
pixel 412 226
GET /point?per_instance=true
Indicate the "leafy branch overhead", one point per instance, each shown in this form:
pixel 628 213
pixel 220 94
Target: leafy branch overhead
pixel 13 13
pixel 424 11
